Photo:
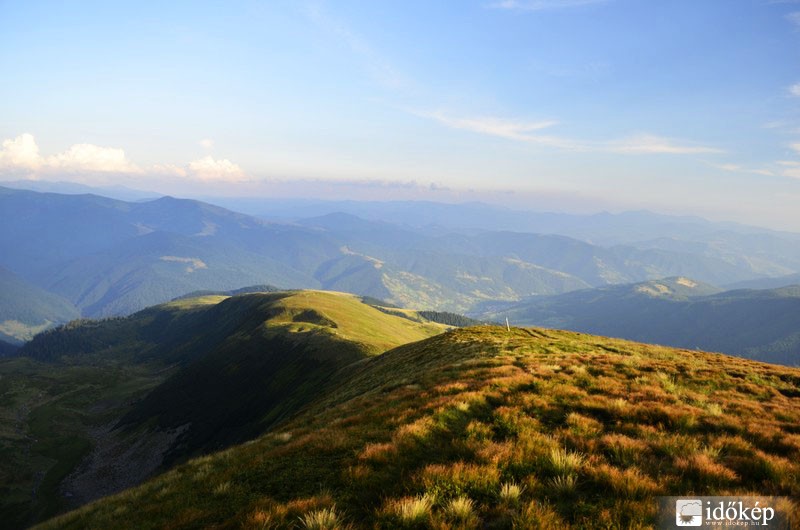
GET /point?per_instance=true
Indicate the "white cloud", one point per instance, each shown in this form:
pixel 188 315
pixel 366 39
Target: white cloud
pixel 504 128
pixel 651 144
pixel 795 146
pixel 727 167
pixel 20 153
pixel 523 131
pixel 169 170
pixel 206 143
pixel 89 157
pixel 542 5
pixel 208 169
pixel 792 168
pixel 736 168
pixel 794 18
pixel 795 89
pixel 792 172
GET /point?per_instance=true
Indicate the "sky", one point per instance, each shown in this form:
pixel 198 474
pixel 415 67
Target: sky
pixel 686 106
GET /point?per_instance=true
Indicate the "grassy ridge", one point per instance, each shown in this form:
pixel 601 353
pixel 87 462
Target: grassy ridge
pixel 219 370
pixel 481 427
pixel 285 350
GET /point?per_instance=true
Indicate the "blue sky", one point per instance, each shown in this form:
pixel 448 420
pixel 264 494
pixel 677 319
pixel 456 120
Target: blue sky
pixel 686 106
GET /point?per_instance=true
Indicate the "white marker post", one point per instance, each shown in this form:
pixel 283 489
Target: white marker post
pixel 508 327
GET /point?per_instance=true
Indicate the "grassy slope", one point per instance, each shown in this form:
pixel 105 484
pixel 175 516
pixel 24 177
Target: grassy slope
pixel 229 365
pixel 483 427
pixel 286 350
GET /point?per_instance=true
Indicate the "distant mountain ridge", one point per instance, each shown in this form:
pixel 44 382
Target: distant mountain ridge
pixel 108 257
pixel 26 309
pixel 758 324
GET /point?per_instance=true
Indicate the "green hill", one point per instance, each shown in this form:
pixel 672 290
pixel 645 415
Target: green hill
pixel 487 428
pixel 758 324
pixel 93 407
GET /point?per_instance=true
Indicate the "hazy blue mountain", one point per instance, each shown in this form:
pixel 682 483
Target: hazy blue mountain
pixel 593 264
pixel 110 257
pixel 751 250
pixel 767 283
pixel 122 193
pixel 26 309
pixel 759 324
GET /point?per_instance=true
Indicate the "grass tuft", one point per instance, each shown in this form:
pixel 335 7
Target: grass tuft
pixel 325 519
pixel 461 510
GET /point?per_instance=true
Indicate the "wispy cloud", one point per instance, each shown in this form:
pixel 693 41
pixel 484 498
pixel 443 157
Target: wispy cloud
pixel 20 156
pixel 795 88
pixel 526 131
pixel 651 144
pixel 794 18
pixel 791 168
pixel 795 146
pixel 206 143
pixel 523 131
pixel 379 68
pixel 542 5
pixel 736 168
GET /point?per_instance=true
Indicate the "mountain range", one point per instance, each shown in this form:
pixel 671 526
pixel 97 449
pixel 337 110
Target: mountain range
pixel 105 257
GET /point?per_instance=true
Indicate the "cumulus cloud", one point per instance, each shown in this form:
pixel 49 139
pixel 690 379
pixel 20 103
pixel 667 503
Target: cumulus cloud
pixel 208 169
pixel 169 170
pixel 88 157
pixel 22 153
